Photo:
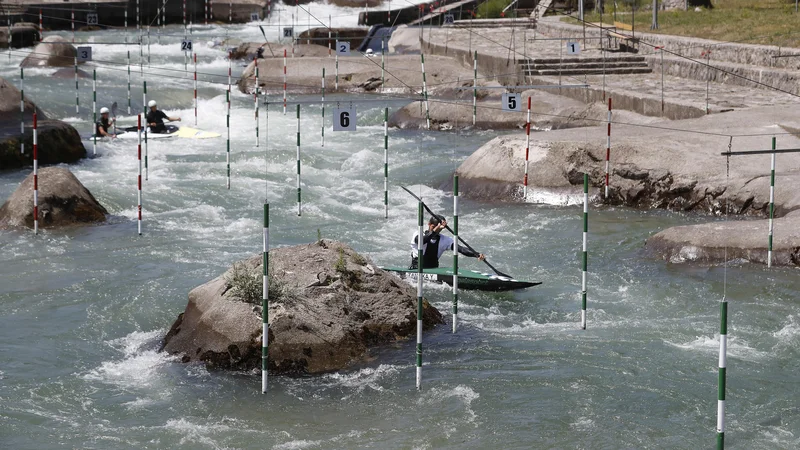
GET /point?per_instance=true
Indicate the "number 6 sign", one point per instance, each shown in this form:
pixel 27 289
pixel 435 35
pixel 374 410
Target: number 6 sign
pixel 344 119
pixel 343 48
pixel 512 102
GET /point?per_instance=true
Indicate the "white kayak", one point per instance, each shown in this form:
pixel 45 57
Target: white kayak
pixel 172 131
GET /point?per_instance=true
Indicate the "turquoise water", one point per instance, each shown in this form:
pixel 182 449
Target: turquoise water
pixel 83 311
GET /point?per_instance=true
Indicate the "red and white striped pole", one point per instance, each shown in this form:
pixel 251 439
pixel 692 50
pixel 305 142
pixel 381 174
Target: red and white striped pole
pixel 608 145
pixel 41 28
pixel 284 81
pixel 527 150
pixel 195 89
pixel 35 178
pixel 206 12
pixel 139 180
pixel 72 21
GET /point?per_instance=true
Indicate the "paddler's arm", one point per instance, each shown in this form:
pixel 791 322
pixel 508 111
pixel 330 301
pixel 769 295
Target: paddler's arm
pixel 467 252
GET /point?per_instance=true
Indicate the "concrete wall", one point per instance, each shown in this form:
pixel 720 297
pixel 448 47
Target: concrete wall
pixel 505 71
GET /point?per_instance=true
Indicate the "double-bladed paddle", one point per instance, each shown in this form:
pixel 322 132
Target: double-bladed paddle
pixel 447 227
pixel 114 115
pixel 266 40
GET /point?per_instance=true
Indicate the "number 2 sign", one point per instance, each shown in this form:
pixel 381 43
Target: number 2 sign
pixel 344 119
pixel 343 48
pixel 512 102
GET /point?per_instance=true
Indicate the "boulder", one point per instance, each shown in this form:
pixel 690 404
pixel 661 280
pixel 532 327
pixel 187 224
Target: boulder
pixel 58 142
pixel 742 240
pixel 22 35
pixel 319 37
pixel 63 201
pixel 52 51
pixel 328 306
pixel 247 50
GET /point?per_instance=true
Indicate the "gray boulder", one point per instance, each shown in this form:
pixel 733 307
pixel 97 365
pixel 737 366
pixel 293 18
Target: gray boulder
pixel 743 240
pixel 328 307
pixel 53 51
pixel 63 201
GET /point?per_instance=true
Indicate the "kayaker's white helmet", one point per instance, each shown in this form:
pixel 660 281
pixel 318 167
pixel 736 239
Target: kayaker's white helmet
pixel 151 103
pixel 104 110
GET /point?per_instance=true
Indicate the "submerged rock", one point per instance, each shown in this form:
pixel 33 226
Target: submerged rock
pixel 53 51
pixel 738 239
pixel 63 201
pixel 328 307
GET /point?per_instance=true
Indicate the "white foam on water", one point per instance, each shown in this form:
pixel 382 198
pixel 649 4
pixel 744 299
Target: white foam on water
pixel 140 363
pixel 737 347
pixel 437 395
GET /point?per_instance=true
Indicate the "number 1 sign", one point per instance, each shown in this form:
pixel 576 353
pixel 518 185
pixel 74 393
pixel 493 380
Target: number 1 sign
pixel 573 48
pixel 344 119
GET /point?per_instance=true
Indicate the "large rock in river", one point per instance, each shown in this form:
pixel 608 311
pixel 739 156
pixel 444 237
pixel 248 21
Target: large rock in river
pixel 58 142
pixel 53 51
pixel 740 239
pixel 63 201
pixel 328 307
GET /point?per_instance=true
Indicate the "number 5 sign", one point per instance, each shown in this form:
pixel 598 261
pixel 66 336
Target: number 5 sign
pixel 512 102
pixel 344 119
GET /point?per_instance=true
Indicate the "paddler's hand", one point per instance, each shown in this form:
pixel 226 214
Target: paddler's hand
pixel 481 257
pixel 442 225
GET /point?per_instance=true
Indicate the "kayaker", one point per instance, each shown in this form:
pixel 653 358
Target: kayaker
pixel 434 245
pixel 155 118
pixel 103 126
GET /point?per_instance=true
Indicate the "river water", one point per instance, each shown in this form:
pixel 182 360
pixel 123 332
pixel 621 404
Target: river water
pixel 82 312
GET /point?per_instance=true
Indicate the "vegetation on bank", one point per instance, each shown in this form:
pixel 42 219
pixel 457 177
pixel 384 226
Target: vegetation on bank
pixel 491 9
pixel 770 22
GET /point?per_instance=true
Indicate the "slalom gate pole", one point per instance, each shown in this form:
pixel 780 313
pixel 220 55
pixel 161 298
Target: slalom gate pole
pixel 323 107
pixel 144 102
pixel 608 146
pixel 139 179
pixel 419 295
pixel 527 150
pixel 336 79
pixel 163 14
pixel 77 92
pixel 771 204
pixel 284 81
pixel 72 22
pixel 386 163
pixel 723 367
pixel 158 26
pixel 425 92
pixel 265 303
pixel 129 80
pixel 195 88
pixel 329 36
pixel 299 204
pixel 126 24
pixel 585 251
pixel 255 96
pixel 230 12
pixel 41 27
pixel 138 18
pixel 455 252
pixel 35 176
pixel 148 50
pixel 383 64
pixel 474 87
pixel 228 142
pixel 205 16
pixel 94 110
pixel 22 110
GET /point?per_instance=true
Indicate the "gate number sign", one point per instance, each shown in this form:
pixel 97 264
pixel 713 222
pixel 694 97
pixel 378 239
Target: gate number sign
pixel 91 19
pixel 512 102
pixel 344 119
pixel 449 18
pixel 288 32
pixel 186 46
pixel 84 54
pixel 254 17
pixel 573 48
pixel 343 48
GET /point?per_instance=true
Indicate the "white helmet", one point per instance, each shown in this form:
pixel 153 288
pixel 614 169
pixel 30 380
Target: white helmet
pixel 151 103
pixel 104 110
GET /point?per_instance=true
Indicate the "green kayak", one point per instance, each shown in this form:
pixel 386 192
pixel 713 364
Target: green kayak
pixel 467 279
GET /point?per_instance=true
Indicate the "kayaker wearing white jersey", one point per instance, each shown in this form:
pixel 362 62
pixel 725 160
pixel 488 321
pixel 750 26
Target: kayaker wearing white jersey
pixel 434 245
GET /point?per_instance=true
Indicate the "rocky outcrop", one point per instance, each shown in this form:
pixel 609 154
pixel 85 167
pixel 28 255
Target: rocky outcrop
pixel 738 240
pixel 58 142
pixel 328 306
pixel 319 36
pixel 53 51
pixel 247 51
pixel 674 165
pixel 63 201
pixel 22 35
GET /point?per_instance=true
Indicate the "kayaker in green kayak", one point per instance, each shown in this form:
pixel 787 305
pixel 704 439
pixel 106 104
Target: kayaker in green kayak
pixel 434 245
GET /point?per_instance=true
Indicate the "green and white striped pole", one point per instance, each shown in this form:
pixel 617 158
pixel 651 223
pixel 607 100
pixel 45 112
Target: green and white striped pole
pixel 474 87
pixel 723 365
pixel 255 98
pixel 265 303
pixel 771 204
pixel 419 295
pixel 585 251
pixel 299 204
pixel 386 163
pixel 455 252
pixel 129 78
pixel 77 92
pixel 146 126
pixel 94 110
pixel 322 128
pixel 425 93
pixel 21 109
pixel 336 79
pixel 228 141
pixel 383 64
